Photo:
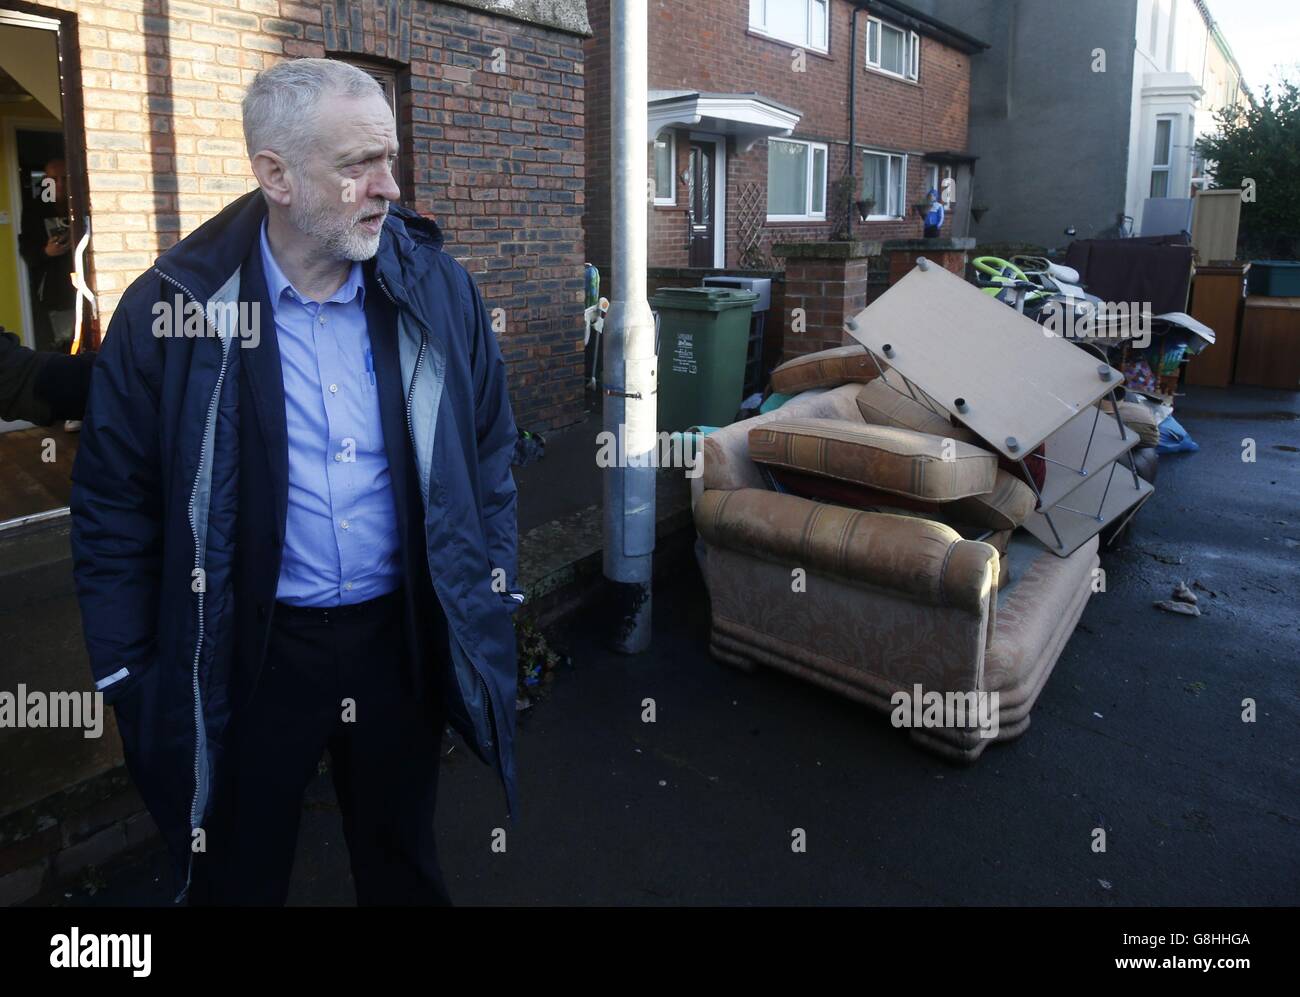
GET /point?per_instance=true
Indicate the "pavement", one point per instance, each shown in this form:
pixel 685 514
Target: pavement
pixel 1139 732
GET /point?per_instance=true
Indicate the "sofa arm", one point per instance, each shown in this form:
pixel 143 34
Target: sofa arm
pixel 918 558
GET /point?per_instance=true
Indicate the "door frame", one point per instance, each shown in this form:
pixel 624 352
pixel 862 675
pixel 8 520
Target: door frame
pixel 720 193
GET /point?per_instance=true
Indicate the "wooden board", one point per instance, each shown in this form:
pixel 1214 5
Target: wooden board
pixel 1075 528
pixel 1268 355
pixel 952 341
pixel 1216 216
pixel 1218 296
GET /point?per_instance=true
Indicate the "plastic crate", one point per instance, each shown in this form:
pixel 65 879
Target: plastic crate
pixel 1274 278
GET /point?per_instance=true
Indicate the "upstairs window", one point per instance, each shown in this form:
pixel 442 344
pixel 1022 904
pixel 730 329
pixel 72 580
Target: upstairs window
pixel 893 50
pixel 804 23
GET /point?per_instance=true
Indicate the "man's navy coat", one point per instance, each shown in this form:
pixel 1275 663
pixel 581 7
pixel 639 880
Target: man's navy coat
pixel 180 491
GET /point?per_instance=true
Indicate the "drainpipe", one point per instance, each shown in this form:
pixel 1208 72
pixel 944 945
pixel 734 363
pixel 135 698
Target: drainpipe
pixel 853 109
pixel 630 364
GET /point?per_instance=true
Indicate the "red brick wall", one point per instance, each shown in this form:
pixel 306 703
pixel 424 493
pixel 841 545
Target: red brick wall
pixel 497 158
pixel 830 292
pixel 708 47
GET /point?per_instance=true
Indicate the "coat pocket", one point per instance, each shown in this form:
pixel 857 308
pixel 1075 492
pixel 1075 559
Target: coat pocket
pixel 468 705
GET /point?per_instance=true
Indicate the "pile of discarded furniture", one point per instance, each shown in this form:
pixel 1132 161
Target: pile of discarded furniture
pixel 921 507
pixel 1130 314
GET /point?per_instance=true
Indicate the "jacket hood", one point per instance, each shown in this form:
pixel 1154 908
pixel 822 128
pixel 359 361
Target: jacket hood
pixel 204 260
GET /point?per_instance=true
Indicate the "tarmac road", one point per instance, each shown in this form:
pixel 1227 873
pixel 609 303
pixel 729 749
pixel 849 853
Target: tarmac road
pixel 1138 732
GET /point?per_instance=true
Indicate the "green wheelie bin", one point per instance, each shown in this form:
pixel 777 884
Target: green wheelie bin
pixel 703 340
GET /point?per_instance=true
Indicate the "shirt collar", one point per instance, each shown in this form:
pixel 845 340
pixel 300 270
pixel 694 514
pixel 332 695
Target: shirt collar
pixel 277 283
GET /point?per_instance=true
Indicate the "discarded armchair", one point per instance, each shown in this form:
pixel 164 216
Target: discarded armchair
pixel 858 540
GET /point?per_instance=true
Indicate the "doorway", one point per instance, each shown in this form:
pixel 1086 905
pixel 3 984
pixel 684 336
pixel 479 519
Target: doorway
pixel 32 148
pixel 43 218
pixel 706 201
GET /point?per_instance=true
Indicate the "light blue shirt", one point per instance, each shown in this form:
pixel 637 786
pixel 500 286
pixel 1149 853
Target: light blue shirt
pixel 340 539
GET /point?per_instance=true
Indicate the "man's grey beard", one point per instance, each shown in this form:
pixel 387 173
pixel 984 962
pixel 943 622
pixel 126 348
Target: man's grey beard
pixel 342 238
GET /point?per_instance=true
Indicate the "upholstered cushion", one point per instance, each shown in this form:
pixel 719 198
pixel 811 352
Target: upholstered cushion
pixel 824 369
pixel 899 461
pixel 725 454
pixel 1138 418
pixel 885 402
pixel 888 404
pixel 1006 507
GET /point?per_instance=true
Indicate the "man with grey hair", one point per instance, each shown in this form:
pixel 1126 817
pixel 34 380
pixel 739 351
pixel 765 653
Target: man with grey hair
pixel 294 520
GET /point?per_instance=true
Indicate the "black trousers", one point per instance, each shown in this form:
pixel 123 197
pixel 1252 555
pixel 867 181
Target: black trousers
pixel 335 679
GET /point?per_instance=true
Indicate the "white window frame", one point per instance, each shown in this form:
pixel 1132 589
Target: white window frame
pixel 911 50
pixel 671 200
pixel 1167 166
pixel 885 216
pixel 758 23
pixel 810 215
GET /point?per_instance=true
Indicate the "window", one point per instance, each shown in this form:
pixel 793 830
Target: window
pixel 799 22
pixel 1160 163
pixel 893 50
pixel 796 181
pixel 666 168
pixel 884 182
pixel 387 80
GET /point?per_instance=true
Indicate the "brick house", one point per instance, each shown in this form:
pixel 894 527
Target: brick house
pixel 490 112
pixel 141 99
pixel 751 119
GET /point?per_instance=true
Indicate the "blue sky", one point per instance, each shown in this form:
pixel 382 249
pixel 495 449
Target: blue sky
pixel 1262 34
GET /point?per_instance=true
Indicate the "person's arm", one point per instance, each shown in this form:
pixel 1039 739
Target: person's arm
pixel 40 386
pixel 116 503
pixel 497 435
pixel 19 368
pixel 63 383
pixel 32 239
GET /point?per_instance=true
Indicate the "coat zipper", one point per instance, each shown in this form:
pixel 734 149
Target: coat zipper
pixel 424 486
pixel 198 566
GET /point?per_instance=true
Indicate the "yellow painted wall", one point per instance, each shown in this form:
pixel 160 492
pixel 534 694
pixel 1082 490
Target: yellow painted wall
pixel 10 310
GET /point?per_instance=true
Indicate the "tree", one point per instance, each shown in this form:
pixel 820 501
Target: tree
pixel 1259 151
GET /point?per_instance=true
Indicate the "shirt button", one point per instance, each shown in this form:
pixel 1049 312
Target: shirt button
pixel 348 586
pixel 344 524
pixel 338 457
pixel 321 320
pixel 334 389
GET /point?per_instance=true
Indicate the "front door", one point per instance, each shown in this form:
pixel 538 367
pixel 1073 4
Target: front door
pixel 701 203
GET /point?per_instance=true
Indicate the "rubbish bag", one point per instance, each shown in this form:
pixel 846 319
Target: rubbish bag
pixel 1174 438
